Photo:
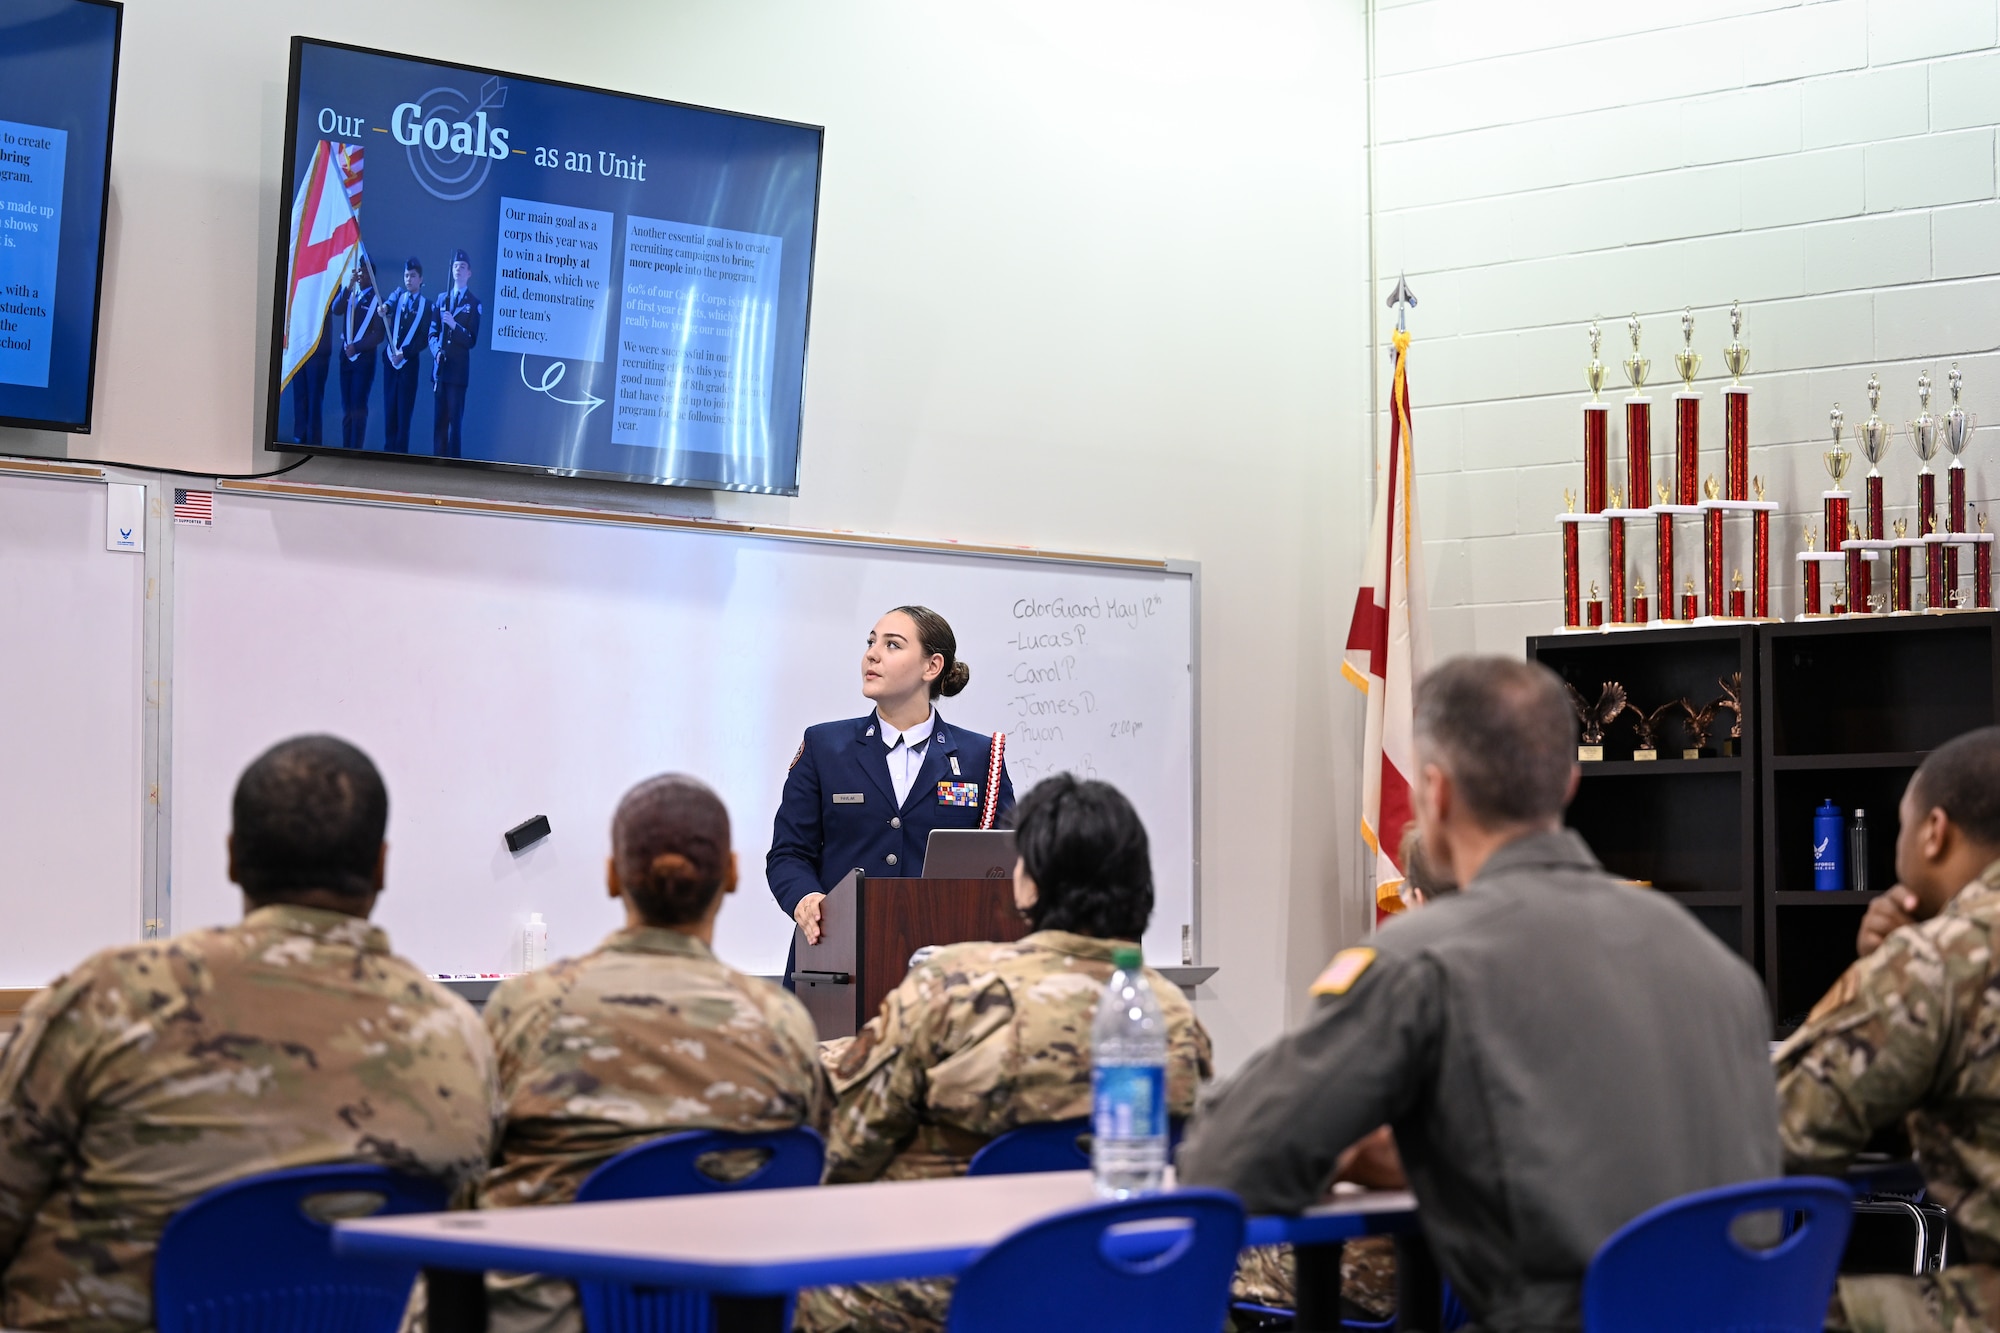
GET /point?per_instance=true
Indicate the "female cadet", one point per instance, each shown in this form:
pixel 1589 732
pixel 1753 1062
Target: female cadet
pixel 865 794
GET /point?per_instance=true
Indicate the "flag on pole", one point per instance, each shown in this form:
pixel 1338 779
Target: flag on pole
pixel 350 173
pixel 325 240
pixel 1388 646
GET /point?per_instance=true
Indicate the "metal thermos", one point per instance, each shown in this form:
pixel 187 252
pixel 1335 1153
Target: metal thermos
pixel 1857 851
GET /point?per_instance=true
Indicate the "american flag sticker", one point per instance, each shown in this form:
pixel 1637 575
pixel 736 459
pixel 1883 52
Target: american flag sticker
pixel 194 507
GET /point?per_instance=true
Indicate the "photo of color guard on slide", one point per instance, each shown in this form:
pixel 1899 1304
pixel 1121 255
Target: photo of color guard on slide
pixel 344 327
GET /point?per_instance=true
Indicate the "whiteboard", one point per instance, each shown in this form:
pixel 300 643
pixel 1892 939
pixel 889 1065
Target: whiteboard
pixel 499 667
pixel 72 713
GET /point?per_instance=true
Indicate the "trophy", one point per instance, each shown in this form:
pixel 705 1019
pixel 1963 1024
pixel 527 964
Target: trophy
pixel 1732 699
pixel 1835 500
pixel 1687 418
pixel 1711 549
pixel 1982 567
pixel 1899 568
pixel 1875 436
pixel 1688 608
pixel 1736 411
pixel 1638 424
pixel 1648 727
pixel 1809 559
pixel 1925 434
pixel 1760 550
pixel 1614 543
pixel 1639 609
pixel 1572 564
pixel 1596 430
pixel 1958 428
pixel 1736 596
pixel 1593 613
pixel 1699 721
pixel 1610 703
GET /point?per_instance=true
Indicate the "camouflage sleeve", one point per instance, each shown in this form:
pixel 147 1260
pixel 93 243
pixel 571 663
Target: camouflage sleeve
pixel 516 1014
pixel 42 1095
pixel 1869 1049
pixel 794 1026
pixel 880 1080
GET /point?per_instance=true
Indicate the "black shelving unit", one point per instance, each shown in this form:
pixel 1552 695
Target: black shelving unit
pixel 1847 710
pixel 1688 827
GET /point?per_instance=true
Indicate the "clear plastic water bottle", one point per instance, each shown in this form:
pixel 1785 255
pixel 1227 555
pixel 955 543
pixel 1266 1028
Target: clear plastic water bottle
pixel 1128 1084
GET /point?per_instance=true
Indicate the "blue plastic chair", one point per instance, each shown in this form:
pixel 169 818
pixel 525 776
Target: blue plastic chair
pixel 1678 1267
pixel 258 1253
pixel 672 1166
pixel 1055 1145
pixel 1154 1265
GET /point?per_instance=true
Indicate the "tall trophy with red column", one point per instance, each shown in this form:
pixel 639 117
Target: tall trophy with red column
pixel 1638 426
pixel 1835 502
pixel 1596 431
pixel 1958 427
pixel 1926 433
pixel 1871 539
pixel 1735 411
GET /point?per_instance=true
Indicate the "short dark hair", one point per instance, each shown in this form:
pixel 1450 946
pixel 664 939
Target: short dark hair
pixel 670 845
pixel 309 813
pixel 1083 845
pixel 1962 778
pixel 1505 732
pixel 934 636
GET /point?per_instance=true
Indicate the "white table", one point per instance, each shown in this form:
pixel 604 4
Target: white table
pixel 752 1249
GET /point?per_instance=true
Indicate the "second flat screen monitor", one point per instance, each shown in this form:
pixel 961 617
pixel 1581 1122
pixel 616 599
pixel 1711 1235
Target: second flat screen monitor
pixel 505 271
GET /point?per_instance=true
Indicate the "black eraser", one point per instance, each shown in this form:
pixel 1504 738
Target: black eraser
pixel 527 833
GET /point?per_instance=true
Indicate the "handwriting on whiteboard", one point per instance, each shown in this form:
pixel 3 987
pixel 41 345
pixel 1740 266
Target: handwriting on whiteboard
pixel 1067 648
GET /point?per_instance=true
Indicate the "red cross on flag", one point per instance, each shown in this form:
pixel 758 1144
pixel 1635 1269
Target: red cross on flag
pixel 1388 647
pixel 325 243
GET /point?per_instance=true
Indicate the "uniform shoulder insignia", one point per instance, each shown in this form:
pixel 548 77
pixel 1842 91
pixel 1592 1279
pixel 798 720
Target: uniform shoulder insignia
pixel 1345 969
pixel 800 755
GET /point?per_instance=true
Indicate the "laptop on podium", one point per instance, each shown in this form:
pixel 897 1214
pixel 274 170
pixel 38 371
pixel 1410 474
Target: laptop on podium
pixel 969 853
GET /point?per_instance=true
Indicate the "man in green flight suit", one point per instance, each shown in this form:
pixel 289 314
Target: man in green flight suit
pixel 1911 1034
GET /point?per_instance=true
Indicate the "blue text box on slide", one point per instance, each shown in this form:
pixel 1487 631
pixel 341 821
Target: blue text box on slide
pixel 550 296
pixel 696 336
pixel 32 159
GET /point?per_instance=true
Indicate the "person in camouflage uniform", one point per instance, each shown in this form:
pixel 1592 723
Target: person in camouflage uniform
pixel 983 1038
pixel 1911 1034
pixel 649 1034
pixel 153 1073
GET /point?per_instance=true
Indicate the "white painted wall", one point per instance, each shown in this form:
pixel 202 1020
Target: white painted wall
pixel 1831 164
pixel 1087 279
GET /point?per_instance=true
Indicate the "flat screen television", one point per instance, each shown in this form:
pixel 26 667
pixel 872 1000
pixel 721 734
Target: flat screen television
pixel 58 86
pixel 486 269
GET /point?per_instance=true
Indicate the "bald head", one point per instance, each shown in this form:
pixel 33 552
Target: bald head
pixel 670 848
pixel 1504 732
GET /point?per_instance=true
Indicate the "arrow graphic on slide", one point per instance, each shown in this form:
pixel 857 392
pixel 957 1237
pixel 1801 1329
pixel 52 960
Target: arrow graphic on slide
pixel 552 377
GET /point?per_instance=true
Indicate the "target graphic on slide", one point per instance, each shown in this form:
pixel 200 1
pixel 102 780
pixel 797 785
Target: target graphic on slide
pixel 445 173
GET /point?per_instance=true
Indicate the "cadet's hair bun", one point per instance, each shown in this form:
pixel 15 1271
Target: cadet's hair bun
pixel 956 677
pixel 670 843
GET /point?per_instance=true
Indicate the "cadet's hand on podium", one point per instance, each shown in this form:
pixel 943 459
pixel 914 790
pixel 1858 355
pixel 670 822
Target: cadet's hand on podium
pixel 807 915
pixel 1890 912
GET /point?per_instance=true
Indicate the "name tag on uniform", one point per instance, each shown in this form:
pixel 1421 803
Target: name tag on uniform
pixel 847 798
pixel 958 793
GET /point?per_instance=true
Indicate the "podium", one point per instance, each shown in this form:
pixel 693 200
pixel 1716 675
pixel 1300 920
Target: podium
pixel 870 927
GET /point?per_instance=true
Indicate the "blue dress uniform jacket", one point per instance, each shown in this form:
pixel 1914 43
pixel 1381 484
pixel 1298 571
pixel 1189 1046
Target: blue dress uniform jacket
pixel 822 831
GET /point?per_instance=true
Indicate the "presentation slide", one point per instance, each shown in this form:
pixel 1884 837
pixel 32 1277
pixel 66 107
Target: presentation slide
pixel 58 79
pixel 490 269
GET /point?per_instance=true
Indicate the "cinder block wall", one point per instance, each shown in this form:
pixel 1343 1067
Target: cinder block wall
pixel 1830 165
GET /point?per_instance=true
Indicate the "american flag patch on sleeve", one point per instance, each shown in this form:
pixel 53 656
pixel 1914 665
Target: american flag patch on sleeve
pixel 958 793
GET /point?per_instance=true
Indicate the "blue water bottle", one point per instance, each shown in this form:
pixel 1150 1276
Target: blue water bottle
pixel 1829 848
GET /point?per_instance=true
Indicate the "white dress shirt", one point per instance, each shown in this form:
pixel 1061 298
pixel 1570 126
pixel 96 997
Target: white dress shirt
pixel 906 753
